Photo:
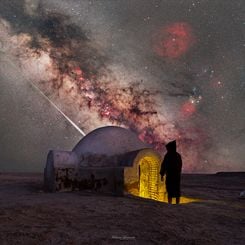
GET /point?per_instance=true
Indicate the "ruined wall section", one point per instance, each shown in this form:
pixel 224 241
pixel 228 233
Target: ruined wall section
pixel 65 172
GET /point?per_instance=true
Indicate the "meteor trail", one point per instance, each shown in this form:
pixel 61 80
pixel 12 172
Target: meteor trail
pixel 58 109
pixel 46 97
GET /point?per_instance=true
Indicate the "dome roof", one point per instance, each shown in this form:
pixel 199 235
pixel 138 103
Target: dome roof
pixel 110 140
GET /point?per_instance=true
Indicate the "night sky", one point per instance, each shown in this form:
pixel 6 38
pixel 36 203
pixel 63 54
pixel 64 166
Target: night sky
pixel 165 69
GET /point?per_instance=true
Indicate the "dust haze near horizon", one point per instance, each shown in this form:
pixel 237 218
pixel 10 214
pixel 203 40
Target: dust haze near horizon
pixel 178 65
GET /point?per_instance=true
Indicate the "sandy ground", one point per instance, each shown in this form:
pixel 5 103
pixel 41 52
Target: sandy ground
pixel 30 216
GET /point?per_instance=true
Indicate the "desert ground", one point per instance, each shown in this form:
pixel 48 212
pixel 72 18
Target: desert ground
pixel 28 215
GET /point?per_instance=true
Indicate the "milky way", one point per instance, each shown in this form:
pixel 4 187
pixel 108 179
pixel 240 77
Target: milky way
pixel 163 76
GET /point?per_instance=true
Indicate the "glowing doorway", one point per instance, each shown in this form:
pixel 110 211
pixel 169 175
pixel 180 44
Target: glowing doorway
pixel 143 178
pixel 149 178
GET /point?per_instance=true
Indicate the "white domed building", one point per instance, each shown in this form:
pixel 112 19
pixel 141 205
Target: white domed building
pixel 110 140
pixel 108 159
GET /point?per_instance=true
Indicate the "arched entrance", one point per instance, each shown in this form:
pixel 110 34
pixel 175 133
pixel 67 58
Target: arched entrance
pixel 143 178
pixel 148 177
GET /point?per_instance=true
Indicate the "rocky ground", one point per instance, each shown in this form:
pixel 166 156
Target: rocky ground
pixel 30 216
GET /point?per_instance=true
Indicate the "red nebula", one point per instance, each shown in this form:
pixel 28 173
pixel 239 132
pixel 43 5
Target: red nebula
pixel 173 40
pixel 77 71
pixel 188 109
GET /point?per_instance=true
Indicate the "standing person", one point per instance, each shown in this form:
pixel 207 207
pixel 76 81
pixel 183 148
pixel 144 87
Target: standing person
pixel 171 166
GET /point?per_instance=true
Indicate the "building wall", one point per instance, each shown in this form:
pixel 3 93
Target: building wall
pixel 108 174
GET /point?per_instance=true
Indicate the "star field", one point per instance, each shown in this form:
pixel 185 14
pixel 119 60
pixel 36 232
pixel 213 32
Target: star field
pixel 165 69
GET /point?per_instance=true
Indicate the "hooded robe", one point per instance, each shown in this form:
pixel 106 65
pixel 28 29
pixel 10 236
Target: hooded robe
pixel 171 166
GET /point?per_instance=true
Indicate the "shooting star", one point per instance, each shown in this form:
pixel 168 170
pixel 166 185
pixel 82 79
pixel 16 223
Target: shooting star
pixel 46 97
pixel 57 108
